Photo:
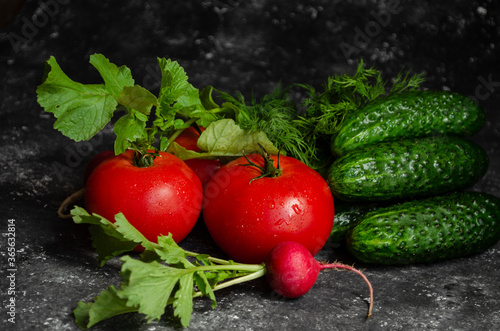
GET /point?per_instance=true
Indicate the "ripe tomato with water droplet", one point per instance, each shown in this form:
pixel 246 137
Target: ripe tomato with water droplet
pixel 147 197
pixel 248 218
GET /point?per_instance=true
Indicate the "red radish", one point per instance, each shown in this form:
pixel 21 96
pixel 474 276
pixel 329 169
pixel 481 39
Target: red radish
pixel 292 270
pixel 257 201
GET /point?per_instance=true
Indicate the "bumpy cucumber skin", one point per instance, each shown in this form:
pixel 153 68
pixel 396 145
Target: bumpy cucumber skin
pixel 411 114
pixel 428 230
pixel 346 215
pixel 409 168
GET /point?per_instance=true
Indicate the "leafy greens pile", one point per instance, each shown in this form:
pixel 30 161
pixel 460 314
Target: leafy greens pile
pixel 165 274
pixel 299 129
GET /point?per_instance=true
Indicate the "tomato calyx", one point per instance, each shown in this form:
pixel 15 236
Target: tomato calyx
pixel 268 170
pixel 144 159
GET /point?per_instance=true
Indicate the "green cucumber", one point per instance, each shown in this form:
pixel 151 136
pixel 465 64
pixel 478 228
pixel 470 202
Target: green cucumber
pixel 346 215
pixel 408 168
pixel 427 230
pixel 410 114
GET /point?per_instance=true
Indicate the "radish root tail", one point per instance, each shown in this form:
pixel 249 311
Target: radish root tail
pixel 337 265
pixel 68 202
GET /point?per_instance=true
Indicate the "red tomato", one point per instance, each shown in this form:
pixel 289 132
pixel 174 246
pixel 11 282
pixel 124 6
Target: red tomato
pixel 204 168
pixel 165 197
pixel 189 138
pixel 247 219
pixel 96 160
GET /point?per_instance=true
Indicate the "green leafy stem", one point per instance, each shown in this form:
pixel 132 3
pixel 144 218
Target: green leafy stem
pixel 148 123
pixel 163 275
pixel 82 110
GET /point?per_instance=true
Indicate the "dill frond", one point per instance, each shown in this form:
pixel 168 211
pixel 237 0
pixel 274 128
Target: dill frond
pixel 304 130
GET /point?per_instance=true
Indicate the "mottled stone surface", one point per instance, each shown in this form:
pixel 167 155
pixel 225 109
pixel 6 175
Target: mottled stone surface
pixel 246 46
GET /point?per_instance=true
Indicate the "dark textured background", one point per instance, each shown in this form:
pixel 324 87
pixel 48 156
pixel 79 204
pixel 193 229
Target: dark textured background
pixel 246 46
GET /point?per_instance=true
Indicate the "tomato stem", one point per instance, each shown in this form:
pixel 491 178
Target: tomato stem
pixel 268 170
pixel 143 160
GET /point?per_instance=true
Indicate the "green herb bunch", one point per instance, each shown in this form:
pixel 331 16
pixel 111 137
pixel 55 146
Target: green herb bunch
pixel 149 123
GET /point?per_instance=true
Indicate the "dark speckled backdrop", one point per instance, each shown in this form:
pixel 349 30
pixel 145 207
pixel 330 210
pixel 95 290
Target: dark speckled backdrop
pixel 246 46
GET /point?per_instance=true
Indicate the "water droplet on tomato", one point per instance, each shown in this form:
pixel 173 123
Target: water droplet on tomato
pixel 296 209
pixel 271 205
pixel 279 222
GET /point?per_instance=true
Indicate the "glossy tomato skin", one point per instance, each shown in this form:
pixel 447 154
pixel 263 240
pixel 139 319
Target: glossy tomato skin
pixel 189 138
pixel 246 220
pixel 204 169
pixel 95 161
pixel 165 197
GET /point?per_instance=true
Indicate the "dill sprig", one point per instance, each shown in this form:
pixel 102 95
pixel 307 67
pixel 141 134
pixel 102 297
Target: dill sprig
pixel 275 115
pixel 304 130
pixel 344 94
